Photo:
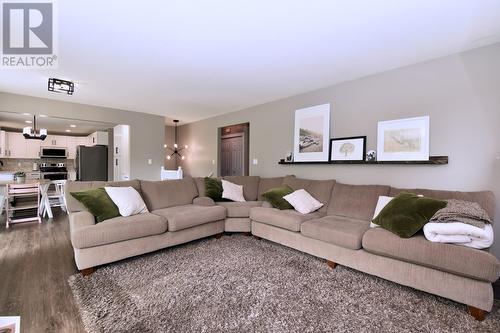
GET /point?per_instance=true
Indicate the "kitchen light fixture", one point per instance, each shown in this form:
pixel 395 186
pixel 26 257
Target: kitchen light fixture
pixel 61 86
pixel 30 133
pixel 176 150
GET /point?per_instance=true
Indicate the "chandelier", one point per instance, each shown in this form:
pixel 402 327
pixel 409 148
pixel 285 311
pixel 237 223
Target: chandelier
pixel 176 151
pixel 31 133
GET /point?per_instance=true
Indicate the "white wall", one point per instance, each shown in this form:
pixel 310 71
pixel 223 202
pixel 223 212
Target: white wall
pixel 461 93
pixel 146 130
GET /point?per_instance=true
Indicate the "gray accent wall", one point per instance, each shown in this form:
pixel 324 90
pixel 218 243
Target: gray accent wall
pixel 146 130
pixel 460 93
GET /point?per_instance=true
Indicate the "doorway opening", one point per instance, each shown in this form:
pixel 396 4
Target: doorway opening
pixel 233 150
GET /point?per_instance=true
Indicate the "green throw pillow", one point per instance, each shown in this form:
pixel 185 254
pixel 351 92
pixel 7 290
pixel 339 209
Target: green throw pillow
pixel 213 189
pixel 275 197
pixel 98 202
pixel 407 213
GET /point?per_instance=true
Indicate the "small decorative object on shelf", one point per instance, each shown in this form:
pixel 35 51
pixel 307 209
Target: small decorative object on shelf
pixel 348 149
pixel 20 177
pixel 371 156
pixel 289 156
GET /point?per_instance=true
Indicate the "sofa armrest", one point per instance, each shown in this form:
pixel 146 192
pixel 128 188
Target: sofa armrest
pixel 203 201
pixel 79 220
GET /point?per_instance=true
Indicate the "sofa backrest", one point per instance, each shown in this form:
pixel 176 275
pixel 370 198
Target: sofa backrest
pixel 200 185
pixel 168 193
pixel 485 198
pixel 265 184
pixel 74 205
pixel 356 201
pixel 250 185
pixel 320 189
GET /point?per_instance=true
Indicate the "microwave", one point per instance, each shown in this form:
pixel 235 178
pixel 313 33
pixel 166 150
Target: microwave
pixel 51 152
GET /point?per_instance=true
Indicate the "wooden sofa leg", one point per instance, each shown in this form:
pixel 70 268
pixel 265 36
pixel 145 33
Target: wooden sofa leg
pixel 248 234
pixel 257 237
pixel 87 271
pixel 478 314
pixel 217 236
pixel 331 264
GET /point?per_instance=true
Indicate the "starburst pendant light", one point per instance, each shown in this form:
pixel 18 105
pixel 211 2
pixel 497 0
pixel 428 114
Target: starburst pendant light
pixel 176 151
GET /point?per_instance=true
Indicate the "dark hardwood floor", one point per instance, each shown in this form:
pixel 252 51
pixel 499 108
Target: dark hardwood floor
pixel 35 263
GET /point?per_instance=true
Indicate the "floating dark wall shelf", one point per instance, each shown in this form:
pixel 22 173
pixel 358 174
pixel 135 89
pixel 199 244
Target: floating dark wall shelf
pixel 433 160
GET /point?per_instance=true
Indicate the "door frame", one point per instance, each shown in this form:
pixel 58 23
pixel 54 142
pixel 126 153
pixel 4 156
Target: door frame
pixel 245 133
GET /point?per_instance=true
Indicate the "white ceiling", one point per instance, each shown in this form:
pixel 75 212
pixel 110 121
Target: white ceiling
pixel 195 59
pixel 17 121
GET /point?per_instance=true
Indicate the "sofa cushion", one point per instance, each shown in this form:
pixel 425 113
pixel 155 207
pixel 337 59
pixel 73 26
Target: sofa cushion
pixel 168 193
pixel 319 189
pixel 338 230
pixel 355 201
pixel 250 185
pixel 72 204
pixel 187 216
pixel 239 209
pixel 135 183
pixel 288 219
pixel 460 260
pixel 118 229
pixel 485 198
pixel 265 184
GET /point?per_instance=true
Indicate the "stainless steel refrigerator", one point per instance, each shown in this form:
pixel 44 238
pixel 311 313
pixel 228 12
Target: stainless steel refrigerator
pixel 92 163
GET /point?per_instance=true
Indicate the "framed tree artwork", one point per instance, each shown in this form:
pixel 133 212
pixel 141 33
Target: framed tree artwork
pixel 348 149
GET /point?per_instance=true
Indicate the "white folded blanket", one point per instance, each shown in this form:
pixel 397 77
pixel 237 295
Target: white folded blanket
pixel 460 234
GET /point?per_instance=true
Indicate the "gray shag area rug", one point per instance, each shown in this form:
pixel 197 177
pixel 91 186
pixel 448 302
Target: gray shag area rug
pixel 240 284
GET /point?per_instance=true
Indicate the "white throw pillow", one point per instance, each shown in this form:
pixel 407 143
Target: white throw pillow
pixel 127 199
pixel 303 202
pixel 381 203
pixel 232 191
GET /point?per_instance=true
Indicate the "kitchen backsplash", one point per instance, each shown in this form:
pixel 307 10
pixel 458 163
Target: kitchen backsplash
pixel 18 164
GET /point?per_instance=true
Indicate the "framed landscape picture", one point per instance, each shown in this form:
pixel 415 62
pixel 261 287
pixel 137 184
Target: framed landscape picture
pixel 348 149
pixel 312 133
pixel 403 139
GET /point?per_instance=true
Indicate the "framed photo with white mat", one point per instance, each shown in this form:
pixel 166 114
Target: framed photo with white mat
pixel 403 139
pixel 312 133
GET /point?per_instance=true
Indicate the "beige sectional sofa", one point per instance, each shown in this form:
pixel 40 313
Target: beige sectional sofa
pixel 339 232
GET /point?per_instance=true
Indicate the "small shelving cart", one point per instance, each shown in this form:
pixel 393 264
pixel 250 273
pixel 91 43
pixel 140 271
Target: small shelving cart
pixel 23 202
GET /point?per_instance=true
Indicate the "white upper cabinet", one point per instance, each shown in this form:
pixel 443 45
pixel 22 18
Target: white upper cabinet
pixel 33 148
pixel 17 145
pixel 55 141
pixel 3 144
pixel 98 138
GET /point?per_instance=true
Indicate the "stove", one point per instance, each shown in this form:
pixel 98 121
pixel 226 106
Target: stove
pixel 53 171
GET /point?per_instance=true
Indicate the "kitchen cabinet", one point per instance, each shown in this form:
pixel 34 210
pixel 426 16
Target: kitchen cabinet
pixel 121 152
pixel 3 144
pixel 16 145
pixel 33 148
pixel 55 141
pixel 98 138
pixel 71 143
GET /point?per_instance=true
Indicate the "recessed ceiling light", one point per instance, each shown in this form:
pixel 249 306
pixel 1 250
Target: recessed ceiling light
pixel 73 126
pixel 68 130
pixel 26 114
pixel 28 121
pixel 42 116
